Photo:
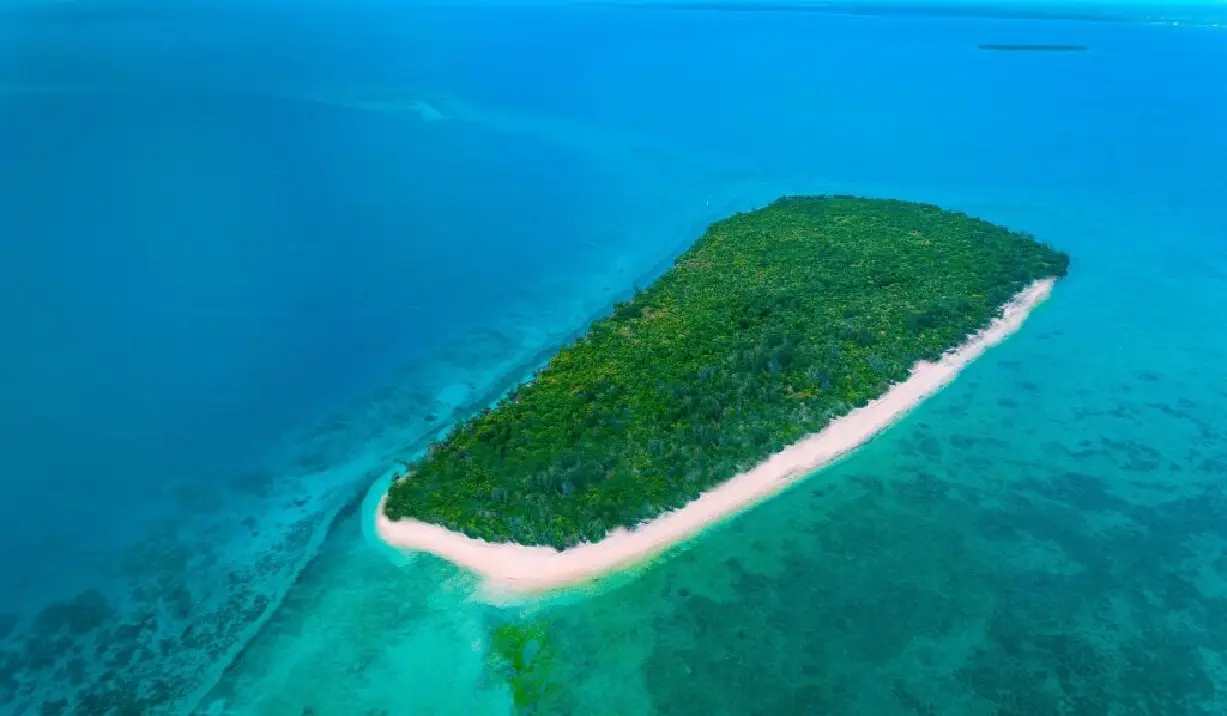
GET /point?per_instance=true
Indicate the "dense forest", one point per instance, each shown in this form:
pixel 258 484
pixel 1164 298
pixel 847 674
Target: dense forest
pixel 772 324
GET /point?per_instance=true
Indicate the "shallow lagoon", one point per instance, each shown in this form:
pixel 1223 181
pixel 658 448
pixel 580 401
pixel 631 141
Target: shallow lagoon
pixel 280 274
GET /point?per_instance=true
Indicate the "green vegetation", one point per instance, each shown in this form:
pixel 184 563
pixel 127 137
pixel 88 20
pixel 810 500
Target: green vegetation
pixel 775 322
pixel 520 655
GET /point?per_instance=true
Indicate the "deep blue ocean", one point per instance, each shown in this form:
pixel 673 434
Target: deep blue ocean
pixel 254 255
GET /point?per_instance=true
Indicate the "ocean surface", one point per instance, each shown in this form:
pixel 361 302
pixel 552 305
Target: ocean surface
pixel 255 255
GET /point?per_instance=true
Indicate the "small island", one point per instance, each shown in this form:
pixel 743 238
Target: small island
pixel 781 340
pixel 999 47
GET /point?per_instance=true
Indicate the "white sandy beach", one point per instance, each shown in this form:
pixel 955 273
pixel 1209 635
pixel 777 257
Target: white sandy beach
pixel 518 569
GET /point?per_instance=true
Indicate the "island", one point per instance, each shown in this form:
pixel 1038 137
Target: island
pixel 997 47
pixel 781 340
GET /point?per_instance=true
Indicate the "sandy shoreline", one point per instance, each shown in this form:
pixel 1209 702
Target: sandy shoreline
pixel 519 569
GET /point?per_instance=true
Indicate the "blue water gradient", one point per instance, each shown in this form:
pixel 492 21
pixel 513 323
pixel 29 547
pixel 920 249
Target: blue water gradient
pixel 252 256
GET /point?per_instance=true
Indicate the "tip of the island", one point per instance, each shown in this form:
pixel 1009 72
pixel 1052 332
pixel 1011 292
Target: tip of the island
pixel 782 340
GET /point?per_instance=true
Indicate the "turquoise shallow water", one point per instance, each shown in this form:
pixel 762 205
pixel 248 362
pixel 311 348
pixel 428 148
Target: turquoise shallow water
pixel 1044 537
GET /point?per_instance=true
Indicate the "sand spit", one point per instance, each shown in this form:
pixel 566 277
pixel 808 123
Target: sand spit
pixel 509 568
